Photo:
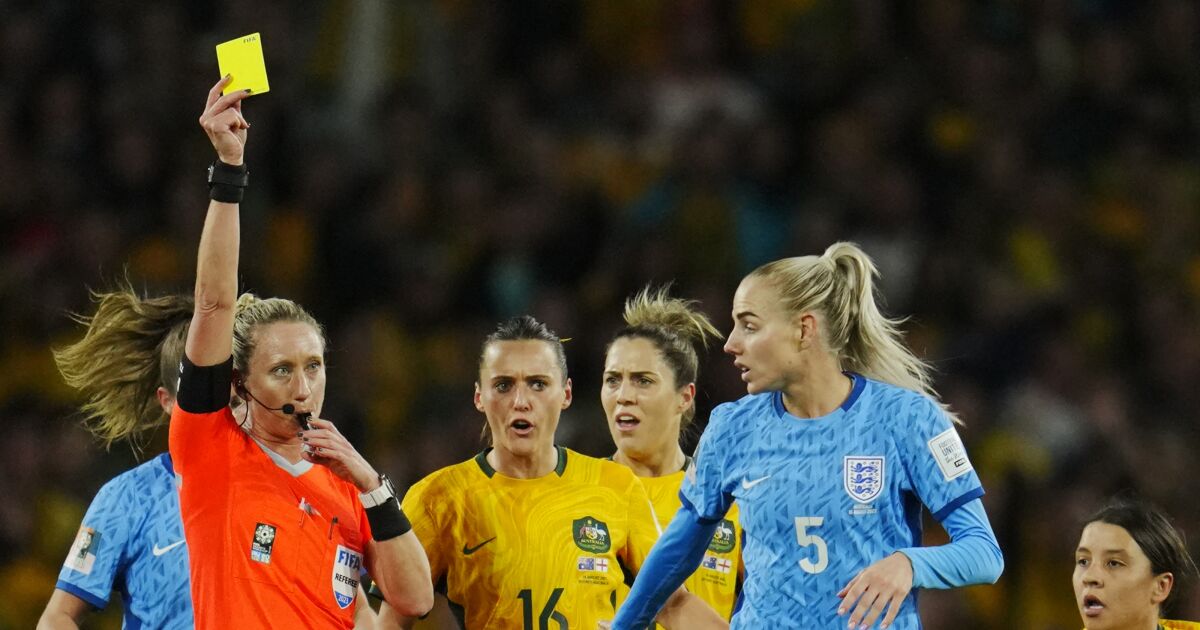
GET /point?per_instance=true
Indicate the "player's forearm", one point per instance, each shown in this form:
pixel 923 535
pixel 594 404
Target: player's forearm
pixel 674 557
pixel 364 616
pixel 56 621
pixel 64 611
pixel 216 285
pixel 687 611
pixel 400 570
pixel 389 619
pixel 971 557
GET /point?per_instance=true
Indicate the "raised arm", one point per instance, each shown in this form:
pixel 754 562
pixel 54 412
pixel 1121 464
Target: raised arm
pixel 211 333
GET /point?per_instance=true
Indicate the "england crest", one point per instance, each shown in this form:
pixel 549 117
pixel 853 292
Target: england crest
pixel 863 477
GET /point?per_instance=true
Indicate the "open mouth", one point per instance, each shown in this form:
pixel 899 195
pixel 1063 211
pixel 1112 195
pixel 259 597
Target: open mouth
pixel 1092 605
pixel 521 427
pixel 627 422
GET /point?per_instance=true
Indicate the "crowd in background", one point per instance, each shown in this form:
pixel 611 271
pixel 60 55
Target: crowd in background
pixel 1025 174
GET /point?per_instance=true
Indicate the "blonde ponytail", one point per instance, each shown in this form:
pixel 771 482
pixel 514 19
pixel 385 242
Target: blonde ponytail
pixel 840 285
pixel 132 346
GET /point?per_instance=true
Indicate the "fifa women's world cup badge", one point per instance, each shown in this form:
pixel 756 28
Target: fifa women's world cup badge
pixel 260 545
pixel 591 535
pixel 862 478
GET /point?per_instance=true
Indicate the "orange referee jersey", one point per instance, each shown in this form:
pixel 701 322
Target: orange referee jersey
pixel 271 547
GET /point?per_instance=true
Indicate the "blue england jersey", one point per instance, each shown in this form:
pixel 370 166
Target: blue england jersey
pixel 823 498
pixel 131 541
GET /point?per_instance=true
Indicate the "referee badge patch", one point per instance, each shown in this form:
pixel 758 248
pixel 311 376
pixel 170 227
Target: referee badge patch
pixel 262 542
pixel 347 565
pixel 82 556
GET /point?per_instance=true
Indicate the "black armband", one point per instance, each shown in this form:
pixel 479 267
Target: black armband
pixel 387 520
pixel 227 183
pixel 204 389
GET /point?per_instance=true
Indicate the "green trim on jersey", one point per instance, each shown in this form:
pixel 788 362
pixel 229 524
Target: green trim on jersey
pixel 487 469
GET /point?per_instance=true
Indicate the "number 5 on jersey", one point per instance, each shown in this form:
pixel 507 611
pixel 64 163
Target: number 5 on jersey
pixel 806 539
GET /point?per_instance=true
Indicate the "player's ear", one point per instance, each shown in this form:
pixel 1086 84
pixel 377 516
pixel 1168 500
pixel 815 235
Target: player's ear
pixel 686 396
pixel 1161 588
pixel 567 394
pixel 804 329
pixel 478 397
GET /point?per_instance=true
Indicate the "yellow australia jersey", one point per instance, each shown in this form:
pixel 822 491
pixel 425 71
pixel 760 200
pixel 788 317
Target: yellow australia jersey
pixel 1167 624
pixel 716 580
pixel 532 554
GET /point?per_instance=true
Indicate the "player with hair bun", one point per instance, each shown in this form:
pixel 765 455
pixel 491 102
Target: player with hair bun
pixel 529 535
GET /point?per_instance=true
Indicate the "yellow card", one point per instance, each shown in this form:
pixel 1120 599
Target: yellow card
pixel 243 58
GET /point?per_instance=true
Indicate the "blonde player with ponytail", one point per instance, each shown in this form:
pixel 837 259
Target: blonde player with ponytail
pixel 831 456
pixel 648 395
pixel 126 368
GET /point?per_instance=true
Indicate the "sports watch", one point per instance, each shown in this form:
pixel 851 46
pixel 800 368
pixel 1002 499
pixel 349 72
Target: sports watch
pixel 379 495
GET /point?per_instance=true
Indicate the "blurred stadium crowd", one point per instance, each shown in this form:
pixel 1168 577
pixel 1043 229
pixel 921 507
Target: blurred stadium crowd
pixel 1025 173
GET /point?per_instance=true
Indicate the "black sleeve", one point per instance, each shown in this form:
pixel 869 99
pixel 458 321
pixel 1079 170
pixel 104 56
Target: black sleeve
pixel 204 389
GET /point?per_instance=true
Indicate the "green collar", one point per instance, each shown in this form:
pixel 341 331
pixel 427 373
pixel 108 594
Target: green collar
pixel 687 461
pixel 481 460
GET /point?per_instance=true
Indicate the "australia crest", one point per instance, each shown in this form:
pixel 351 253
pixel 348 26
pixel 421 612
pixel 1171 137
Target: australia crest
pixel 591 535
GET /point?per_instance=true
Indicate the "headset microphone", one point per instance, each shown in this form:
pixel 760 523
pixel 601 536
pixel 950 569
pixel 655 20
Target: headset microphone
pixel 288 409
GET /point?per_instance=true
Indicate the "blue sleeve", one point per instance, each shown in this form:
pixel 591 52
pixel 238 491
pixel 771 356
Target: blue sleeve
pixel 675 556
pixel 971 557
pixel 935 459
pixel 98 554
pixel 703 485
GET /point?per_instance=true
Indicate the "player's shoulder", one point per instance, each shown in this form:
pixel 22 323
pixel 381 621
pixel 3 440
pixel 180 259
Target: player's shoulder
pixel 1170 624
pixel 892 403
pixel 141 479
pixel 742 412
pixel 601 471
pixel 448 478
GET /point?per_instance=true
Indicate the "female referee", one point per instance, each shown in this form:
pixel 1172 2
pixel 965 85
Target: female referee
pixel 282 515
pixel 529 535
pixel 648 394
pixel 830 456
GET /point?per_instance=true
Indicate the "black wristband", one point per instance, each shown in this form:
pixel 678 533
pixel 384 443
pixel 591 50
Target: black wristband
pixel 387 520
pixel 227 183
